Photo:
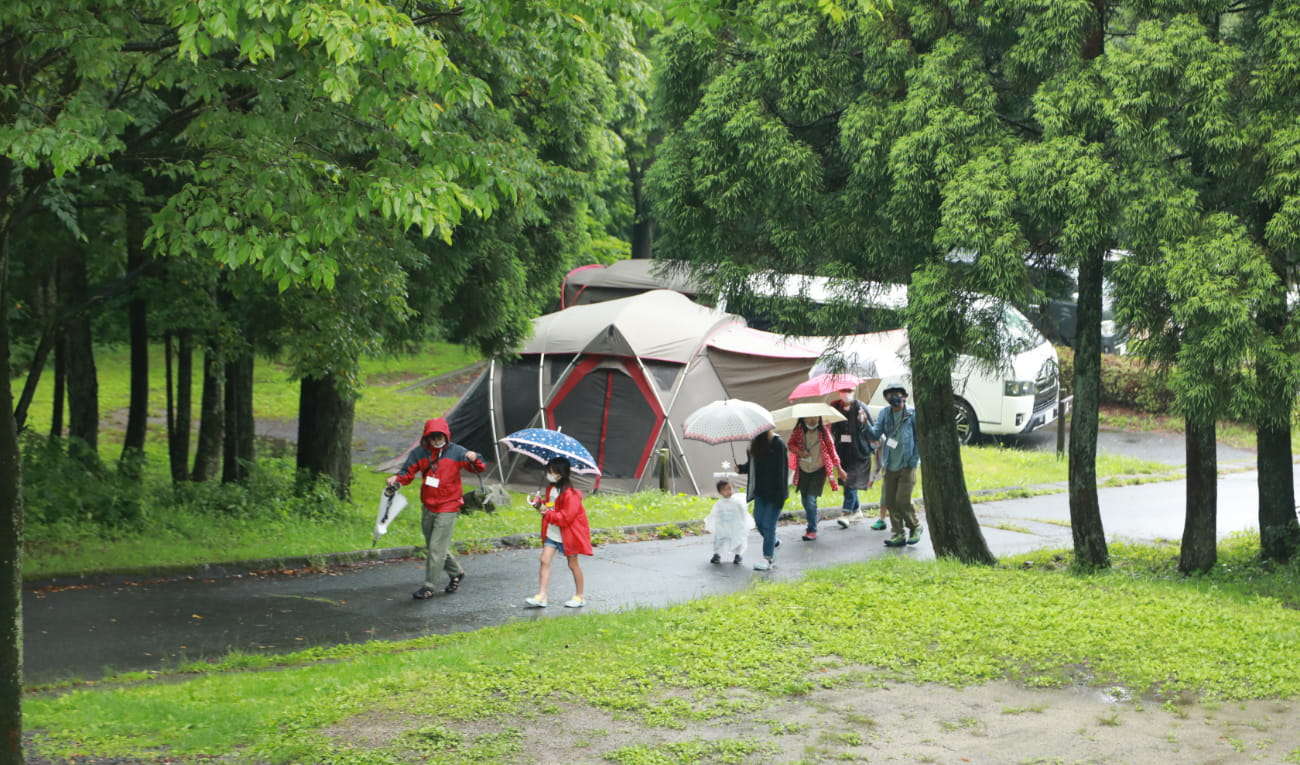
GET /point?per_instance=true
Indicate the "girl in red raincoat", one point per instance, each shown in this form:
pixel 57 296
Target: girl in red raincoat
pixel 564 530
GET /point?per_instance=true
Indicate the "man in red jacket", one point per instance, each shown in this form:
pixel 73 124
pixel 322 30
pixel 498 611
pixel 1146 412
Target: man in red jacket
pixel 440 461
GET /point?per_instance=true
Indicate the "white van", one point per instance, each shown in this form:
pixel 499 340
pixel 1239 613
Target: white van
pixel 1018 398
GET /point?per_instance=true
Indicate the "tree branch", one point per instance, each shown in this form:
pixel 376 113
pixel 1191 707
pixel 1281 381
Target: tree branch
pixel 431 17
pixel 163 43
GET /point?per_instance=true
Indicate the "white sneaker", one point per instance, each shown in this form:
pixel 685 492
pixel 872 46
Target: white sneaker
pixel 763 564
pixel 534 602
pixel 843 522
pixel 575 602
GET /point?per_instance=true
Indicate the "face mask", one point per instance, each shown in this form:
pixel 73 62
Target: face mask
pixel 894 399
pixel 846 396
pixel 438 443
pixel 809 425
pixel 553 477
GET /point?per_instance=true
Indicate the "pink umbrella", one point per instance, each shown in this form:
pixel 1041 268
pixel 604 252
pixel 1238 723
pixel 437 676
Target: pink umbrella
pixel 822 385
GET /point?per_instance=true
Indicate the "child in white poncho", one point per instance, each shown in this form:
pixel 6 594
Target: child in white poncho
pixel 729 523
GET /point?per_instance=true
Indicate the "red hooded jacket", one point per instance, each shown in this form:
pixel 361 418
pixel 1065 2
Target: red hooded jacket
pixel 441 491
pixel 571 517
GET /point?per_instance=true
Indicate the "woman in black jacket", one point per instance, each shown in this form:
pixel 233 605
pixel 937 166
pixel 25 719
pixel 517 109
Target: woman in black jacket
pixel 769 487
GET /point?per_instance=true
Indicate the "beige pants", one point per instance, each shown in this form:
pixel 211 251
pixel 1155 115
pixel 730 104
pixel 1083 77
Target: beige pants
pixel 896 494
pixel 437 541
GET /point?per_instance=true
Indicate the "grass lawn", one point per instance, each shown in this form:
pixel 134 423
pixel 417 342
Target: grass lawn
pixel 275 392
pixel 1224 637
pixel 167 537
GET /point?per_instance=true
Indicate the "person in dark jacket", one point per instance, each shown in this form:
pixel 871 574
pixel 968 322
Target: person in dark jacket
pixel 769 487
pixel 853 445
pixel 440 461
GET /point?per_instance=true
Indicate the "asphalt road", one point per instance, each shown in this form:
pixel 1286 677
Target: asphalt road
pixel 1157 446
pixel 90 631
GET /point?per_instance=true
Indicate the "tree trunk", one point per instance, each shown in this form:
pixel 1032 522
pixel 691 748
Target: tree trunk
pixel 178 441
pixel 34 372
pixel 11 539
pixel 1279 531
pixel 954 529
pixel 325 416
pixel 1199 542
pixel 643 233
pixel 1090 549
pixel 643 226
pixel 60 384
pixel 212 420
pixel 83 382
pixel 137 414
pixel 49 303
pixel 170 405
pixel 239 420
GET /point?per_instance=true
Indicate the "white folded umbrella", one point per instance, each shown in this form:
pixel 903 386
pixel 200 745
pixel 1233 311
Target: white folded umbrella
pixel 389 507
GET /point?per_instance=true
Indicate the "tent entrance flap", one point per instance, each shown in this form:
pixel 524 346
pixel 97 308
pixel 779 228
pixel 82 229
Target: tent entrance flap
pixel 607 404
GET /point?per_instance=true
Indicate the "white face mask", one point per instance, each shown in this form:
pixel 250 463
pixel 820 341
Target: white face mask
pixel 438 442
pixel 553 477
pixel 846 396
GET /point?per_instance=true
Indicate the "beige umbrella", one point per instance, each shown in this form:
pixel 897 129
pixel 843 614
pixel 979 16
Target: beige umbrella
pixel 787 417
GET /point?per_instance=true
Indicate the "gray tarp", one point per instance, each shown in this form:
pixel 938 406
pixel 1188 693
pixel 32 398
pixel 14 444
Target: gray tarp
pixel 624 279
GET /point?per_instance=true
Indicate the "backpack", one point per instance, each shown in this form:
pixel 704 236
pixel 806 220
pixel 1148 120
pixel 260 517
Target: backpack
pixel 485 498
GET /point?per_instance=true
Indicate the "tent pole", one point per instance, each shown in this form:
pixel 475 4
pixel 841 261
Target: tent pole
pixel 541 369
pixel 542 400
pixel 677 388
pixel 668 423
pixel 492 418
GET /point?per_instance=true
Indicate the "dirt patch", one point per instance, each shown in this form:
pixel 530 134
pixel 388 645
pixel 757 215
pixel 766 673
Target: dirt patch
pixel 872 721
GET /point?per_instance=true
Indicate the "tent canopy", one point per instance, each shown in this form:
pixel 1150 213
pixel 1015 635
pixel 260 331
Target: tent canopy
pixel 659 324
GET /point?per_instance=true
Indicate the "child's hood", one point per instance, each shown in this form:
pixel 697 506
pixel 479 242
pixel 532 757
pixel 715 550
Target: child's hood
pixel 437 425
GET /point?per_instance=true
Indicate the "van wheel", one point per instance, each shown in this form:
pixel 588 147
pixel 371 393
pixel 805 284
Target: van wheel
pixel 968 428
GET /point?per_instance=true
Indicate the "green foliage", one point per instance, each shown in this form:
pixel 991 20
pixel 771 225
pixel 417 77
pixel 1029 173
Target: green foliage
pixel 65 485
pixel 1128 381
pixel 668 532
pixel 68 500
pixel 959 625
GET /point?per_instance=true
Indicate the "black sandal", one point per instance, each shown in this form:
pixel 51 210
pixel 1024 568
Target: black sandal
pixel 454 583
pixel 424 593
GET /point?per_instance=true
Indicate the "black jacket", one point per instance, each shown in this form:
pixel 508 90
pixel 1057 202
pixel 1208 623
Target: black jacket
pixel 859 449
pixel 769 475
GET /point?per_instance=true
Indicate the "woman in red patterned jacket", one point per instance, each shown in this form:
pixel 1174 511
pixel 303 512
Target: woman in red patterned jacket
pixel 812 461
pixel 564 530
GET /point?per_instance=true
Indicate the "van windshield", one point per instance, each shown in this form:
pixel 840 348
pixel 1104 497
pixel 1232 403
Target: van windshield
pixel 1021 335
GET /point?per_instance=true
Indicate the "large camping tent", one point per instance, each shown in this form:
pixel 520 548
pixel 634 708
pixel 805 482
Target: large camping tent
pixel 596 283
pixel 621 376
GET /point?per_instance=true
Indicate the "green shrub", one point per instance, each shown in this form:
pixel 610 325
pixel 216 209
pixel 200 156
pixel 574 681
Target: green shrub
pixel 66 483
pixel 1125 381
pixel 668 531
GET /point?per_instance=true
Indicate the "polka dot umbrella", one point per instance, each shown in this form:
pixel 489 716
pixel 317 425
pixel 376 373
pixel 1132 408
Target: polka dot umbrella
pixel 545 445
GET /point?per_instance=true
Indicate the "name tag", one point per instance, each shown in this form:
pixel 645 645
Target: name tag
pixel 431 480
pixel 892 443
pixel 846 439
